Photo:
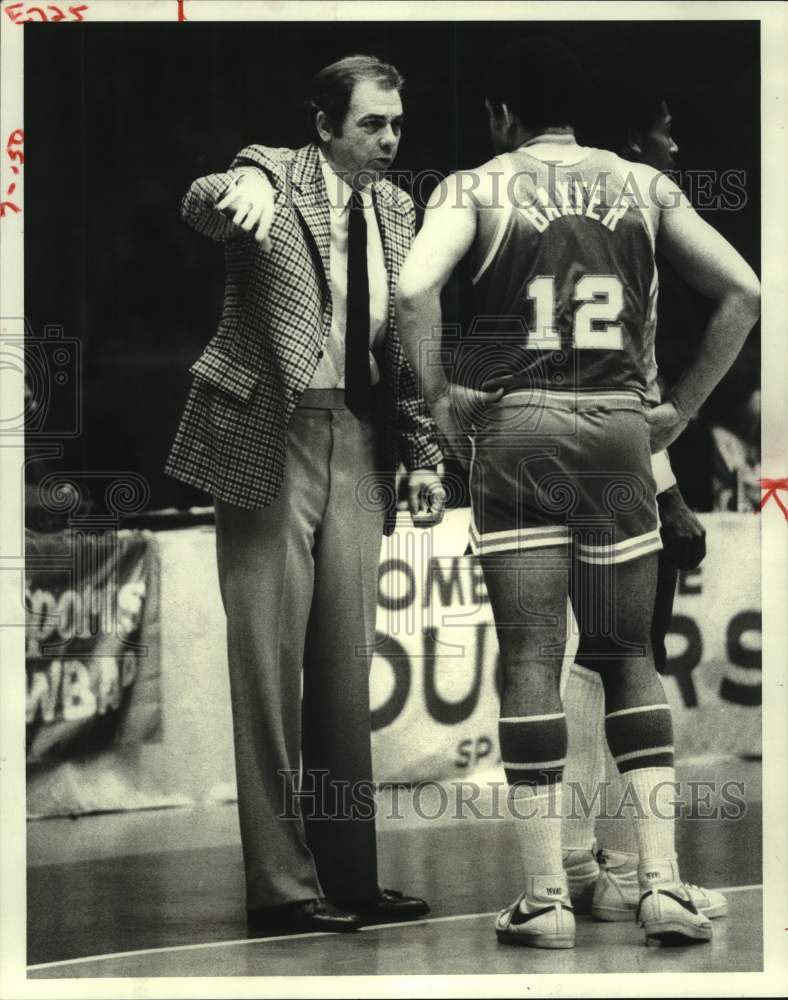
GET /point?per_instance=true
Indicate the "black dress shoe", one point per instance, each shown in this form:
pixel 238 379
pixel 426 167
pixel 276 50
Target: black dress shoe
pixel 388 907
pixel 303 917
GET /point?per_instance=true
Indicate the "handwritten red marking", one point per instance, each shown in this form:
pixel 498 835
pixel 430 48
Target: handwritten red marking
pixel 770 487
pixel 181 11
pixel 18 13
pixel 12 10
pixel 16 138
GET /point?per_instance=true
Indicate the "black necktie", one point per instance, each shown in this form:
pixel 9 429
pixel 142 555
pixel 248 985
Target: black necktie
pixel 358 384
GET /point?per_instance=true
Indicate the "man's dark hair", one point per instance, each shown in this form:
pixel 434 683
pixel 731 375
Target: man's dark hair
pixel 538 79
pixel 332 87
pixel 620 99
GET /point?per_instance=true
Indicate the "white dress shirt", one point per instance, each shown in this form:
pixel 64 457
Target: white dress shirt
pixel 330 373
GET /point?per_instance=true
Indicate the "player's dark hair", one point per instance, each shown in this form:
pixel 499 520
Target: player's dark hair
pixel 538 79
pixel 331 88
pixel 620 99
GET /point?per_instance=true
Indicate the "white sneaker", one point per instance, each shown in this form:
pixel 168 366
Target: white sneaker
pixel 540 917
pixel 666 911
pixel 582 871
pixel 710 902
pixel 617 890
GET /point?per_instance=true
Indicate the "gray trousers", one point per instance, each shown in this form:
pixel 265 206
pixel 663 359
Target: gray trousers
pixel 299 584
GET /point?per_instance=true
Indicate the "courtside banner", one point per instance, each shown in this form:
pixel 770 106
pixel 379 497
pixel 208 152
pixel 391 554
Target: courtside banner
pixel 435 666
pixel 434 697
pixel 92 652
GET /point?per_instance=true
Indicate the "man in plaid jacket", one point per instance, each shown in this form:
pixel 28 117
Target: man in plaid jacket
pixel 299 450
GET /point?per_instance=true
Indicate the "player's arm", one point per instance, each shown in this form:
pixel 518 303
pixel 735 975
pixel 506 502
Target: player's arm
pixel 708 262
pixel 446 236
pixel 444 239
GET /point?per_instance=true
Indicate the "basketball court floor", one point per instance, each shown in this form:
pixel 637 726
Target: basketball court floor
pixel 160 893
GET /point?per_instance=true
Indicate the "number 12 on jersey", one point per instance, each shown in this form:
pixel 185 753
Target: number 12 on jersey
pixel 600 298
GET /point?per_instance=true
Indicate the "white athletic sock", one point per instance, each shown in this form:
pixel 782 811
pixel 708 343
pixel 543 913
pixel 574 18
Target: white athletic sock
pixel 617 833
pixel 537 814
pixel 641 741
pixel 653 792
pixel 584 707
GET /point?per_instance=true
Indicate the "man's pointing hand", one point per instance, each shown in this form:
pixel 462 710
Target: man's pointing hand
pixel 249 204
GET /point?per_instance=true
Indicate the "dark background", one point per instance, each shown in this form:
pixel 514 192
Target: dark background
pixel 120 118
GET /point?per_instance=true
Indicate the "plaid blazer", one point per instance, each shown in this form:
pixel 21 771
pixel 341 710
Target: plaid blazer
pixel 232 437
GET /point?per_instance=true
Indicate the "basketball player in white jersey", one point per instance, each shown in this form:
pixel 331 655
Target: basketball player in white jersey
pixel 556 403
